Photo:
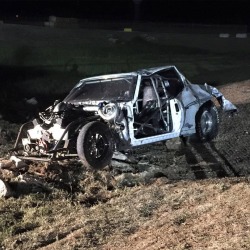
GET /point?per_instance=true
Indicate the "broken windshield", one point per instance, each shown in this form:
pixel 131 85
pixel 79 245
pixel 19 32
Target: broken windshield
pixel 110 89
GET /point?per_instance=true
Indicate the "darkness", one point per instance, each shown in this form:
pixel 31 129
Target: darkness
pixel 183 11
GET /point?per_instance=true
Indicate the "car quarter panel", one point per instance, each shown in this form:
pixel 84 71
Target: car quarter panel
pixel 192 97
pixel 200 93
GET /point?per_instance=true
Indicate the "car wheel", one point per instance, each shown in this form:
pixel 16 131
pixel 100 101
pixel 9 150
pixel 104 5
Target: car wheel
pixel 207 122
pixel 95 145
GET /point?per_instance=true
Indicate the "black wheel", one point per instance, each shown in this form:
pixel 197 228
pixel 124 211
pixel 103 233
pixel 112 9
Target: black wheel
pixel 95 145
pixel 207 122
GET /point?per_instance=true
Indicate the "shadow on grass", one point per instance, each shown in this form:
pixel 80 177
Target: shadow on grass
pixel 228 154
pixel 206 161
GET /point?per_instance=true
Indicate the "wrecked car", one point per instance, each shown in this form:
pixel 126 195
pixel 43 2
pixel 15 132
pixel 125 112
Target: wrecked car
pixel 114 113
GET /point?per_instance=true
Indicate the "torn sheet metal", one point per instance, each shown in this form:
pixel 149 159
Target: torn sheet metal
pixel 225 104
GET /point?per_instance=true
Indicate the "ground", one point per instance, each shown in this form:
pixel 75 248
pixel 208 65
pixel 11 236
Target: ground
pixel 176 196
pixel 173 196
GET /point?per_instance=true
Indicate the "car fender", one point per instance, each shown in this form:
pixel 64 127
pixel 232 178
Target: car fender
pixel 192 97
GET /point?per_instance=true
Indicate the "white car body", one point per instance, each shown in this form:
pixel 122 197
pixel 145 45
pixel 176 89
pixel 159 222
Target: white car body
pixel 124 111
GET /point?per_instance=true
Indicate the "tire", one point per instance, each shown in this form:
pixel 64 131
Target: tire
pixel 207 122
pixel 94 145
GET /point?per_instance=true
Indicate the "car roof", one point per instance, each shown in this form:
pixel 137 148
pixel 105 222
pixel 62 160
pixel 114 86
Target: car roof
pixel 142 72
pixel 151 71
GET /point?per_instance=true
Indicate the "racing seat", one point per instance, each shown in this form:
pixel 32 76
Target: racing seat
pixel 149 116
pixel 148 95
pixel 149 103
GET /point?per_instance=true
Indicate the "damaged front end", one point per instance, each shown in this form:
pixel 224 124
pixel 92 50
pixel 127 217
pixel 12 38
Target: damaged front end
pixel 58 133
pixel 53 134
pixel 91 120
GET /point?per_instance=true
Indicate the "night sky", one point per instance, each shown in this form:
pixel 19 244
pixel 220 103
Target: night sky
pixel 183 11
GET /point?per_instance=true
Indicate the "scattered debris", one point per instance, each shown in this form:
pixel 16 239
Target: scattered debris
pixel 13 164
pixel 119 156
pixel 27 183
pixel 5 164
pixel 15 183
pixel 121 167
pixel 124 157
pixel 18 162
pixel 5 190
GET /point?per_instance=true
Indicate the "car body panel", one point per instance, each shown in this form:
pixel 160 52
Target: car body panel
pixel 192 97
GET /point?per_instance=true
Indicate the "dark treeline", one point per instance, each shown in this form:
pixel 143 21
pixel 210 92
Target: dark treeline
pixel 194 11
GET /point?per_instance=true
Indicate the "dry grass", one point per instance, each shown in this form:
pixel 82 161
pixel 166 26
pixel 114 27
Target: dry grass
pixel 195 215
pixel 94 210
pixel 209 214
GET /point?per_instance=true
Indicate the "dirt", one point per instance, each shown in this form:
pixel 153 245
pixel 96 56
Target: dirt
pixel 205 190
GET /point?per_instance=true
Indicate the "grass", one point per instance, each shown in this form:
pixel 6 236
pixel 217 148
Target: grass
pixel 49 218
pixel 85 53
pixel 61 220
pixel 93 210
